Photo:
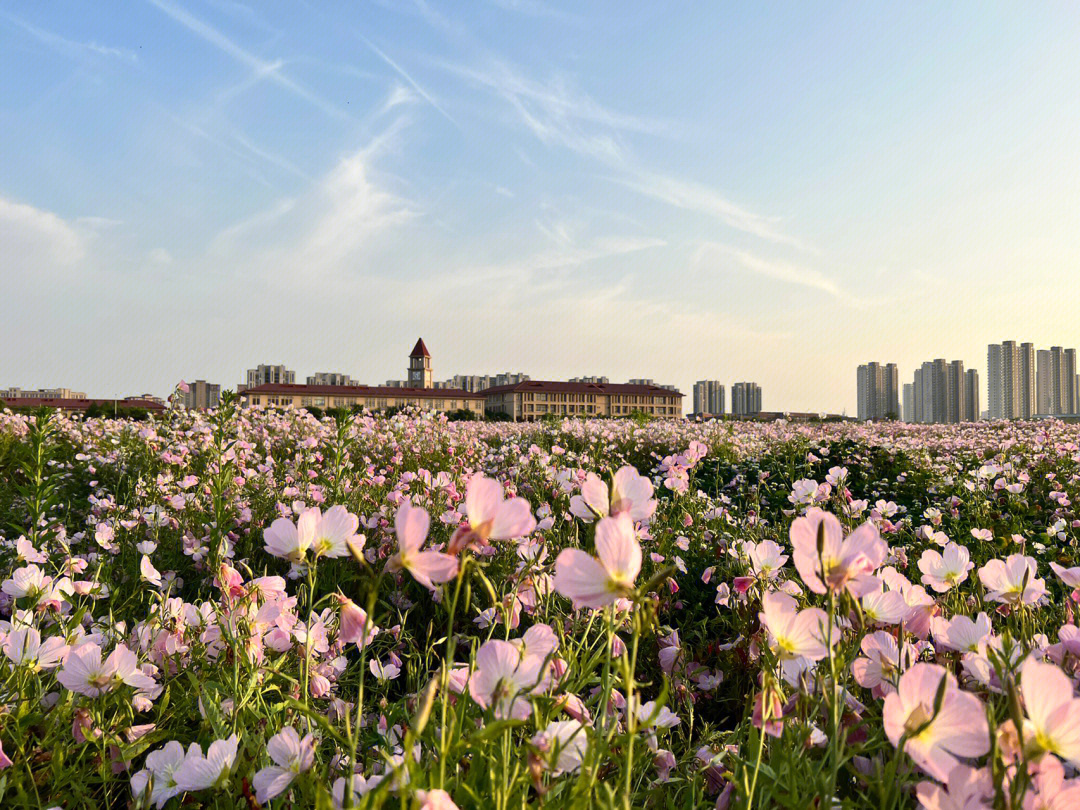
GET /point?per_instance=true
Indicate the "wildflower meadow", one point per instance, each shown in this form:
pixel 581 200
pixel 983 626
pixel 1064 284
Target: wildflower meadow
pixel 262 608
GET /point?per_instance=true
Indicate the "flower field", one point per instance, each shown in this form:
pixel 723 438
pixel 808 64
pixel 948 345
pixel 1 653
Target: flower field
pixel 254 608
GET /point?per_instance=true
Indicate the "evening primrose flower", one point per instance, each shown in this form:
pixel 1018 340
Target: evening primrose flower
pixel 291 755
pixel 85 673
pixel 198 772
pixel 840 562
pixel 429 568
pixel 594 582
pixel 490 516
pixel 944 571
pixel 940 721
pixel 23 647
pixel 324 535
pixel 502 679
pixel 631 492
pixel 793 633
pixel 1013 582
pixel 1053 711
pixel 331 533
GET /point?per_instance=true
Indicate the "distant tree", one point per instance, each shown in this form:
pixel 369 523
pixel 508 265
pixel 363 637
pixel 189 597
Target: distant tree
pixel 496 416
pixel 315 411
pixel 461 415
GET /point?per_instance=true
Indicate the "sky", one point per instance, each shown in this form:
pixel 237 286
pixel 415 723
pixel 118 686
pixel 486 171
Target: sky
pixel 773 192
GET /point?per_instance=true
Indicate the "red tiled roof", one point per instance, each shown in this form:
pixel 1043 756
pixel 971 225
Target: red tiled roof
pixel 582 388
pixel 420 350
pixel 359 391
pixel 82 404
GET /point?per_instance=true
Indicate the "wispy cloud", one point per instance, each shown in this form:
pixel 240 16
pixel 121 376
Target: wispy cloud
pixel 430 99
pixel 536 8
pixel 714 254
pixel 213 36
pixel 69 47
pixel 691 196
pixel 34 241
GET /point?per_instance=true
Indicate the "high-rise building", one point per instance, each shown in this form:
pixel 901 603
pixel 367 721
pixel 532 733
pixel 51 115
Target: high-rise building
pixel 330 378
pixel 1026 392
pixel 1010 379
pixel 1044 382
pixel 1063 388
pixel 593 379
pixel 745 399
pixel 202 395
pixel 267 374
pixel 938 393
pixel 917 395
pixel 879 391
pixel 892 391
pixel 475 383
pixel 929 384
pixel 995 381
pixel 909 402
pixel 709 397
pixel 955 399
pixel 971 396
pixel 420 366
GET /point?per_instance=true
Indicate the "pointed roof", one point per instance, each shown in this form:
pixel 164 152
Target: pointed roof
pixel 420 350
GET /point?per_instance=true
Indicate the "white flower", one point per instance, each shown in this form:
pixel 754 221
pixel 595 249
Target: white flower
pixel 292 756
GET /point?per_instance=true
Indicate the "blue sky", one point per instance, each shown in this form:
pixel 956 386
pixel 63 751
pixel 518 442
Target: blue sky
pixel 736 191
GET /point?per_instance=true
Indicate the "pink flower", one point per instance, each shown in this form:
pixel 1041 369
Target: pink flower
pixel 5 760
pixel 881 667
pixel 200 772
pixel 631 492
pixel 565 741
pixel 427 567
pixel 354 627
pixel 1050 790
pixel 85 673
pixel 935 735
pixel 435 800
pixel 1012 582
pixel 1053 712
pixel 503 679
pixel 598 581
pixel 282 540
pixel 968 789
pixel 490 517
pixel 848 562
pixel 793 633
pixel 946 570
pixel 291 755
pixel 23 647
pixel 331 533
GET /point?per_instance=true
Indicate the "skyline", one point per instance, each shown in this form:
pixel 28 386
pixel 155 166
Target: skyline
pixel 682 194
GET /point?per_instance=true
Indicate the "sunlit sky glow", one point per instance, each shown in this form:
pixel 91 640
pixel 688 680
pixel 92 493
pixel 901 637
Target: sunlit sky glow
pixel 676 191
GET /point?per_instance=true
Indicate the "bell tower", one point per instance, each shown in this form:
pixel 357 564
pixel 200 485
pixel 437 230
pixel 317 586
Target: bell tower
pixel 420 366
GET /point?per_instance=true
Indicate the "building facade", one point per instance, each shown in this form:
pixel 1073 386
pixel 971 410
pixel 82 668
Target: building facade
pixel 745 399
pixel 264 374
pixel 878 391
pixel 330 378
pixel 41 393
pixel 709 397
pixel 478 382
pixel 372 398
pixel 417 392
pixel 202 395
pixel 533 399
pixel 420 366
pixel 971 396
